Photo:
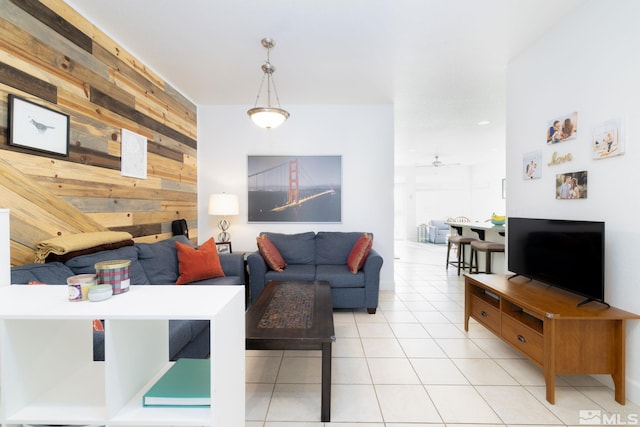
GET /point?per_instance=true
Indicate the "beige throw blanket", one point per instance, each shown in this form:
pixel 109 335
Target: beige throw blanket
pixel 74 242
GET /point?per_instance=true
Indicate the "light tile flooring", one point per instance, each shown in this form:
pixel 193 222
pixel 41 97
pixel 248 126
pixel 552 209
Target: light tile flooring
pixel 413 365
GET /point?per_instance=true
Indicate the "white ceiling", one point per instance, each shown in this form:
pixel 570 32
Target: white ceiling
pixel 441 62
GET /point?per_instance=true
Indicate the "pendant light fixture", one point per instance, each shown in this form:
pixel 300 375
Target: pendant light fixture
pixel 268 117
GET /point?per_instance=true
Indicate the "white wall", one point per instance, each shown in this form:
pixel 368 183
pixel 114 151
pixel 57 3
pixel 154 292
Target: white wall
pixel 444 192
pixel 361 134
pixel 589 64
pixel 486 188
pixel 5 249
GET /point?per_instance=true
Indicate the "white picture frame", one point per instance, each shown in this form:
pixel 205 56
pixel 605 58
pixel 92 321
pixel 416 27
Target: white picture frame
pixel 133 161
pixel 608 139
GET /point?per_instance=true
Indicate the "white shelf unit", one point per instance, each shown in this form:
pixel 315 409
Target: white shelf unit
pixel 47 372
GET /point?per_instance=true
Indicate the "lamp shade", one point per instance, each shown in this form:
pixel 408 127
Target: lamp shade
pixel 223 204
pixel 268 117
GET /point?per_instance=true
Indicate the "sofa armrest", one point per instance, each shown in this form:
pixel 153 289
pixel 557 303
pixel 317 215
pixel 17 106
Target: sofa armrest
pixel 233 265
pixel 257 271
pixel 371 269
pixel 432 232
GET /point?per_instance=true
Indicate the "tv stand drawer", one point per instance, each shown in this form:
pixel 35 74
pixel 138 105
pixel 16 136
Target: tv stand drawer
pixel 523 338
pixel 486 314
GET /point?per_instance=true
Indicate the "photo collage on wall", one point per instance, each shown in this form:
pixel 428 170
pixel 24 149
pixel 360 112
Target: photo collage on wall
pixel 607 141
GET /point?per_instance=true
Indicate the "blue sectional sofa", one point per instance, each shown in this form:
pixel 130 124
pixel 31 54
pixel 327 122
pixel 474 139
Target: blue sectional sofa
pixel 151 264
pixel 321 256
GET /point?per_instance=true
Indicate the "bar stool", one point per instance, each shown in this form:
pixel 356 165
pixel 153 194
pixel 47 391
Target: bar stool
pixel 488 248
pixel 461 242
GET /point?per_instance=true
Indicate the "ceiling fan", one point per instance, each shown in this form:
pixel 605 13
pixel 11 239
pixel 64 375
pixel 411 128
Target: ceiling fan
pixel 436 163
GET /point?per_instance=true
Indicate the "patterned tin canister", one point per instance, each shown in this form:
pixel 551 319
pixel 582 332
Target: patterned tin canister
pixel 79 286
pixel 114 273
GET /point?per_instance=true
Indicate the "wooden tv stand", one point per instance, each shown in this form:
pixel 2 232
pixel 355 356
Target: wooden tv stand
pixel 545 324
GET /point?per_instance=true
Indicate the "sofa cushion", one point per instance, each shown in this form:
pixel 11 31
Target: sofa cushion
pixel 295 248
pixel 53 273
pixel 293 272
pixel 226 280
pixel 359 253
pixel 85 264
pixel 160 260
pixel 334 247
pixel 198 264
pixel 339 276
pixel 270 253
pixel 180 333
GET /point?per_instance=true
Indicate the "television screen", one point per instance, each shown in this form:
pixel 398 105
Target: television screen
pixel 563 253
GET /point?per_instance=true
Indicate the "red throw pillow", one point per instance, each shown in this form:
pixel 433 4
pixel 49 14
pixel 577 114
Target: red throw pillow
pixel 98 326
pixel 359 253
pixel 198 264
pixel 270 253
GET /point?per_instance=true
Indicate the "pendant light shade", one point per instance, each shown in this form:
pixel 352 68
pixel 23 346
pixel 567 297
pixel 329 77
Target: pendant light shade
pixel 268 117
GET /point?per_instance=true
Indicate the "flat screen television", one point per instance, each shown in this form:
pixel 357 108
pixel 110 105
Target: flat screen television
pixel 562 253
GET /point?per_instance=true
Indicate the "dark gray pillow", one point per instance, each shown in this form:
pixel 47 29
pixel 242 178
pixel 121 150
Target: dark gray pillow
pixel 52 273
pixel 334 247
pixel 160 260
pixel 85 264
pixel 295 248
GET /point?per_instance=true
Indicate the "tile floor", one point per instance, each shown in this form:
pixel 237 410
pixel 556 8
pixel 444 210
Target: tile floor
pixel 413 365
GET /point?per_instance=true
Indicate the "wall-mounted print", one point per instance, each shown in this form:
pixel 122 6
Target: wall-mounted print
pixel 531 165
pixel 294 188
pixel 608 139
pixel 572 185
pixel 562 128
pixel 133 155
pixel 37 128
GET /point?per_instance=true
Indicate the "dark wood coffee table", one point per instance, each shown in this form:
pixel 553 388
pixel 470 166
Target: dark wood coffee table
pixel 295 315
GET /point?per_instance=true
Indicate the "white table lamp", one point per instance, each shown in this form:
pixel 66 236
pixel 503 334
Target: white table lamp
pixel 223 205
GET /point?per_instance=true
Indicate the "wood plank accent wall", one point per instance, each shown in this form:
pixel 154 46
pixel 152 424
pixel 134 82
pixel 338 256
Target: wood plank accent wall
pixel 51 55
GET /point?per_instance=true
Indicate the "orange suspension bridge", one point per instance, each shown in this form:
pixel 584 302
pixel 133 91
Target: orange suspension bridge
pixel 285 176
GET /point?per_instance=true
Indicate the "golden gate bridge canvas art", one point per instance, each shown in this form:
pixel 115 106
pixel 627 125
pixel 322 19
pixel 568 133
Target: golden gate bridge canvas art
pixel 294 188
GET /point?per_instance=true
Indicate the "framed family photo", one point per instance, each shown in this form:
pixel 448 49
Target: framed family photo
pixel 37 128
pixel 532 165
pixel 571 185
pixel 608 139
pixel 223 247
pixel 562 128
